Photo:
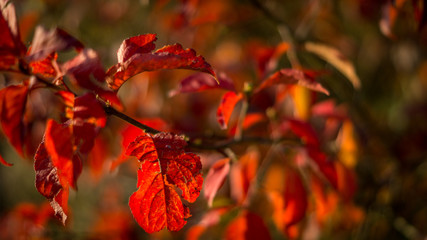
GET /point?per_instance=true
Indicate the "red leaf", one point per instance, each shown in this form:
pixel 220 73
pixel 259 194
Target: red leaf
pixel 58 142
pixel 247 226
pixel 201 81
pixel 215 179
pixel 2 161
pixel 137 58
pixel 226 107
pixel 11 47
pixel 47 42
pixel 134 45
pixel 305 131
pixel 13 100
pixel 326 167
pixel 241 175
pixel 86 70
pixel 130 132
pixel 47 67
pixel 164 165
pixel 295 198
pixel 48 183
pixel 292 76
pixel 266 56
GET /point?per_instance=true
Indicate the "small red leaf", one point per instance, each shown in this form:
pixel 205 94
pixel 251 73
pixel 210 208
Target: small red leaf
pixel 247 226
pixel 201 81
pixel 250 120
pixel 2 161
pixel 164 164
pixel 226 107
pixel 138 58
pixel 215 179
pixel 292 76
pixel 13 100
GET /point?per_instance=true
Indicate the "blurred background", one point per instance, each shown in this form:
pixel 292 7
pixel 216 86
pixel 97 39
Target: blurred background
pixel 385 42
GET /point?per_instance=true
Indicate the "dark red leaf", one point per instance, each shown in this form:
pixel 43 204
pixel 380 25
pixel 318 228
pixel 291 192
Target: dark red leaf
pixel 13 101
pixel 2 161
pixel 305 131
pixel 226 107
pixel 48 183
pixel 326 166
pixel 47 42
pixel 215 179
pixel 247 226
pixel 266 57
pixel 292 76
pixel 86 70
pixel 11 47
pixel 164 165
pixel 137 59
pixel 47 178
pixel 201 81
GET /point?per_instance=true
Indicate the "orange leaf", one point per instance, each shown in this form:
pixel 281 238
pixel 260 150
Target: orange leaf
pixel 247 226
pixel 135 57
pixel 226 107
pixel 164 165
pixel 215 178
pixel 292 76
pixel 241 175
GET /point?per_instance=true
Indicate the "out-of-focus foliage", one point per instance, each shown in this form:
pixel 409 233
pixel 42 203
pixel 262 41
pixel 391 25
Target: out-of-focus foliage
pixel 360 174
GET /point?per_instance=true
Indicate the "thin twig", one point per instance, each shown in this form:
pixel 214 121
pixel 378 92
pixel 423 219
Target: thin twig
pixel 112 111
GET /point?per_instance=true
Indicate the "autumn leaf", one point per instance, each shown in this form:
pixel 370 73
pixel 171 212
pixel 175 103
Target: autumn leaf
pixel 215 179
pixel 164 165
pixel 47 68
pixel 290 206
pixel 48 183
pixel 13 100
pixel 136 55
pixel 292 76
pixel 11 47
pixel 247 226
pixel 336 59
pixel 266 57
pixel 201 81
pixel 86 70
pixel 251 119
pixel 46 42
pixel 242 174
pixel 226 107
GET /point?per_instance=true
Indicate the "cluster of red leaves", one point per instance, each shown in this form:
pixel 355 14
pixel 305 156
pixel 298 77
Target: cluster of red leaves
pixel 58 161
pixel 168 174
